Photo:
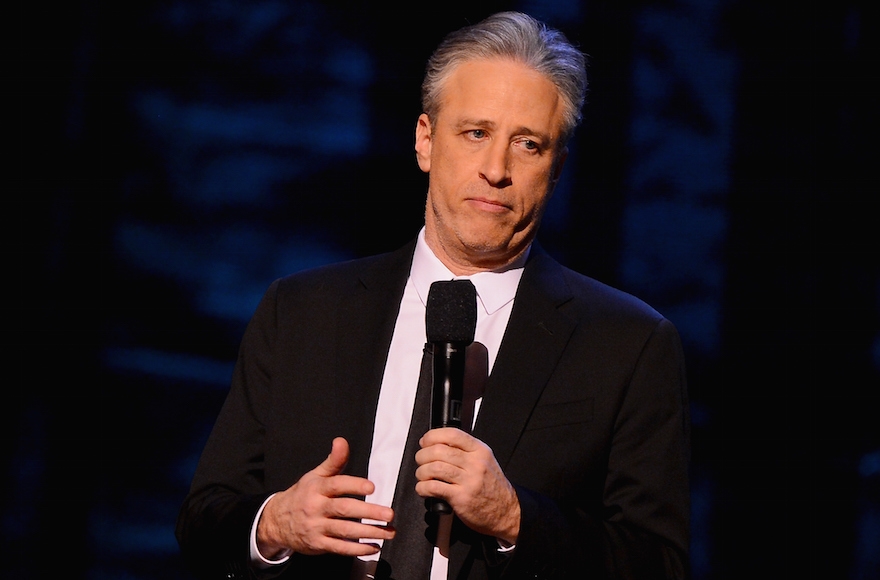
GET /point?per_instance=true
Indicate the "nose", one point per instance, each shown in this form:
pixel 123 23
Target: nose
pixel 495 165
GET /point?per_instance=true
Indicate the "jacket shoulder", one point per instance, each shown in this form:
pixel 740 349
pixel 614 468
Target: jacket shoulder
pixel 581 296
pixel 381 270
pixel 600 297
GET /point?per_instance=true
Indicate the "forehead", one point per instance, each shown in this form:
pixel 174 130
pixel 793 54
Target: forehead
pixel 503 92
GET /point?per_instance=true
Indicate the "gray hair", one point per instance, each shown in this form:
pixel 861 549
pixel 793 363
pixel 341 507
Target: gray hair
pixel 518 37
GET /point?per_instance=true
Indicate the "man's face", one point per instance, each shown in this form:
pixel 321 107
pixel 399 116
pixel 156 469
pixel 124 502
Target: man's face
pixel 494 155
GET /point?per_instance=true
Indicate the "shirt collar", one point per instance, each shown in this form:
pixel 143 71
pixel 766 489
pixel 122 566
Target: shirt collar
pixel 494 289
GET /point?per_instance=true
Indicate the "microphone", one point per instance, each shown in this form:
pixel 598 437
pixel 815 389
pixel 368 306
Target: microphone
pixel 450 323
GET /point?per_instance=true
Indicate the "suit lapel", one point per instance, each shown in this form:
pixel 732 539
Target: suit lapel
pixel 365 326
pixel 535 338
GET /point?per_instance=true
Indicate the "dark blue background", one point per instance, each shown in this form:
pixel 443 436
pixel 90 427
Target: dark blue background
pixel 179 156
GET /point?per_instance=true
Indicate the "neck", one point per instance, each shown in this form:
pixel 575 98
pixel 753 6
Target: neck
pixel 466 264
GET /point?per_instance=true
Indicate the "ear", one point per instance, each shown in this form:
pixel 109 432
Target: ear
pixel 557 168
pixel 423 142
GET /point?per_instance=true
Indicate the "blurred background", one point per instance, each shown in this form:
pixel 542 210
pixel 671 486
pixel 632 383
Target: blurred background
pixel 180 155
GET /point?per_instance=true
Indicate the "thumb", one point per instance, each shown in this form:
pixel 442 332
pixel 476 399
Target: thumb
pixel 335 462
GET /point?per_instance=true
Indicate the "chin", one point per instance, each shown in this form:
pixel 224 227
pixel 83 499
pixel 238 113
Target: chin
pixel 480 242
pixel 489 250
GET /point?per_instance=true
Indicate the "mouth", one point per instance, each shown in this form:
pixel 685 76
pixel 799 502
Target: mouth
pixel 488 205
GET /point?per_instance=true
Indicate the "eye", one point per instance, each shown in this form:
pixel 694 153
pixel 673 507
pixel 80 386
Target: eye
pixel 477 134
pixel 529 145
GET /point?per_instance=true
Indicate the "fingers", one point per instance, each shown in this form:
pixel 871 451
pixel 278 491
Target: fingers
pixel 331 489
pixel 452 446
pixel 310 523
pixel 462 470
pixel 452 437
pixel 356 509
pixel 452 462
pixel 441 467
pixel 318 514
pixel 330 482
pixel 341 537
pixel 335 462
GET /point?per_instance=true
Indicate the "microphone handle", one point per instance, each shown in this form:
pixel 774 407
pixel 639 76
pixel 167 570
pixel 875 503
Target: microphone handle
pixel 446 399
pixel 435 505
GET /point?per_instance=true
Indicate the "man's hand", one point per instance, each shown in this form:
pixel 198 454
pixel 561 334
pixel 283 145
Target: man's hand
pixel 314 516
pixel 462 470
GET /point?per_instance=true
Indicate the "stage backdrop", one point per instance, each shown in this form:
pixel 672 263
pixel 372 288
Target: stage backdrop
pixel 182 155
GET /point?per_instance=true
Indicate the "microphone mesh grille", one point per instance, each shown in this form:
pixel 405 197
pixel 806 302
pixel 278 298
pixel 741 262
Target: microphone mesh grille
pixel 451 312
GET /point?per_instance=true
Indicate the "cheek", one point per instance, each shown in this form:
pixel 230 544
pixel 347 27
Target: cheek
pixel 538 193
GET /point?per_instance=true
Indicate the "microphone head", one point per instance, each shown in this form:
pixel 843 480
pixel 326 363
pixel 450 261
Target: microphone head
pixel 451 312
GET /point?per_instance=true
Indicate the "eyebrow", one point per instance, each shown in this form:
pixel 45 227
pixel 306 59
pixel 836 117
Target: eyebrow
pixel 477 122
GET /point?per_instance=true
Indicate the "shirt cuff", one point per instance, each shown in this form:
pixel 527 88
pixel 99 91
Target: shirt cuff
pixel 257 558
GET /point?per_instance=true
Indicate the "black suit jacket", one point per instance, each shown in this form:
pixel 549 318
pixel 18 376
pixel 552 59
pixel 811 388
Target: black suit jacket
pixel 585 410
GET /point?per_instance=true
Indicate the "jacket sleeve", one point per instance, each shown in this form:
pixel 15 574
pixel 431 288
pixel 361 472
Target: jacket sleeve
pixel 215 520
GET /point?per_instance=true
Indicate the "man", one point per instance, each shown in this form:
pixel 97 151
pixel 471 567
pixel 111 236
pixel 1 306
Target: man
pixel 576 466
